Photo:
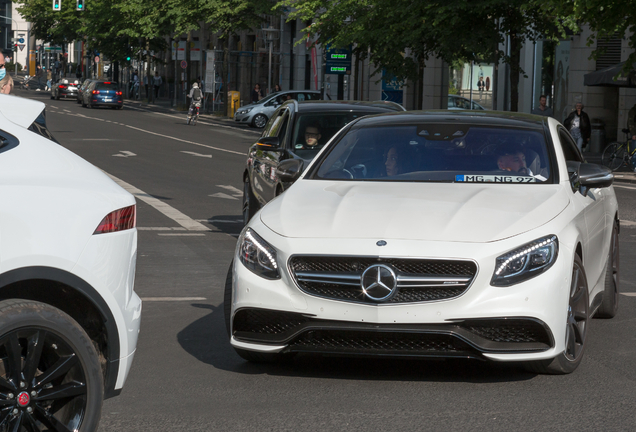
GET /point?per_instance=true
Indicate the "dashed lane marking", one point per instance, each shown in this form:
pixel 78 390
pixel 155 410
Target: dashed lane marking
pixel 171 299
pixel 629 294
pixel 174 214
pixel 181 235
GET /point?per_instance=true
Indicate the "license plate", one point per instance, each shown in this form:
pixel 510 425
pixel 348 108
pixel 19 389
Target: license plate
pixel 108 100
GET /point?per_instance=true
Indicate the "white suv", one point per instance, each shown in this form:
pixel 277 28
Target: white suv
pixel 69 317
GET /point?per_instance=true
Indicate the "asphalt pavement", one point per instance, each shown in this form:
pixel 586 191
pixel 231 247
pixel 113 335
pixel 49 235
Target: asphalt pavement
pixel 186 377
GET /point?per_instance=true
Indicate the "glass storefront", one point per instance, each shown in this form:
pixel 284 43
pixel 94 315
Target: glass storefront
pixel 462 81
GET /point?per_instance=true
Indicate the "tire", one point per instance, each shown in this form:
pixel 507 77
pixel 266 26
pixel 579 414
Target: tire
pixel 613 156
pixel 227 299
pixel 52 97
pixel 41 339
pixel 119 107
pixel 83 104
pixel 250 204
pixel 259 121
pixel 576 328
pixel 609 306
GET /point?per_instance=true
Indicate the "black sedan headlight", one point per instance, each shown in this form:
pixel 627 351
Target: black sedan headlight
pixel 257 255
pixel 526 262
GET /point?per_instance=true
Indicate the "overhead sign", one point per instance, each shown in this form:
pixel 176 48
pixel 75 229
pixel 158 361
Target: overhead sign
pixel 184 64
pixel 338 61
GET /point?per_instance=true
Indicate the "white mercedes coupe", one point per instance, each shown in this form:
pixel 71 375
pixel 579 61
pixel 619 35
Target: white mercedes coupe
pixel 431 234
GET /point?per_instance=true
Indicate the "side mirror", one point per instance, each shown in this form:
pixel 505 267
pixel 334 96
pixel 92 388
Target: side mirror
pixel 268 143
pixel 593 176
pixel 289 170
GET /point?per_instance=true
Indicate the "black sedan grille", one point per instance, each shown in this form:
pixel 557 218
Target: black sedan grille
pixel 418 280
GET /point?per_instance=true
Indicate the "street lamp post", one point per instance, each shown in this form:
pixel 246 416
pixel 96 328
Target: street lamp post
pixel 271 34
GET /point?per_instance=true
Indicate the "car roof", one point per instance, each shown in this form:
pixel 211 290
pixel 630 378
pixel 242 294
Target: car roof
pixel 477 118
pixel 371 107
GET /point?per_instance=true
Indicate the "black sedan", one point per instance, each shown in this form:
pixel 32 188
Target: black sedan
pixel 296 130
pixel 64 88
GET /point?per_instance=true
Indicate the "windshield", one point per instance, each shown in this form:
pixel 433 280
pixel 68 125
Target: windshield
pixel 313 131
pixel 107 86
pixel 439 152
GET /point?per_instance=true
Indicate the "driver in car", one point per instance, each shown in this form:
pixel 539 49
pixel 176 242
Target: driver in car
pixel 312 136
pixel 513 160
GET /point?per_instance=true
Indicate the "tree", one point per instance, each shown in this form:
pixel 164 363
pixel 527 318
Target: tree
pixel 450 29
pixel 230 16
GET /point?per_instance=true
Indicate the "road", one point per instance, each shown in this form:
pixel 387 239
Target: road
pixel 186 376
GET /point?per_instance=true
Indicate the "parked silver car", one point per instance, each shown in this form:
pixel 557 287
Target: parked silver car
pixel 256 114
pixel 461 103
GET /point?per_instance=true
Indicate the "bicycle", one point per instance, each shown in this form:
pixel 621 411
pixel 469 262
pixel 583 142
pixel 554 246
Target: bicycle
pixel 193 114
pixel 617 154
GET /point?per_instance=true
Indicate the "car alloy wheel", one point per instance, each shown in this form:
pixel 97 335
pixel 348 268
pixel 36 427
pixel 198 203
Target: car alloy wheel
pixel 50 375
pixel 260 120
pixel 575 329
pixel 250 207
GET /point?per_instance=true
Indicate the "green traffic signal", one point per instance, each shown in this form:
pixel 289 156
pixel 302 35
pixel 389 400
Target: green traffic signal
pixel 79 5
pixel 127 58
pixel 57 5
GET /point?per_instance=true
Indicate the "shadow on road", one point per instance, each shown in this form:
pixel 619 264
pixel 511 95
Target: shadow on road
pixel 206 339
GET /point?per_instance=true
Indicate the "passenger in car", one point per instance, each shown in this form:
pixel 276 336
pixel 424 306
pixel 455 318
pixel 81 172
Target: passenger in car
pixel 312 137
pixel 514 160
pixel 396 160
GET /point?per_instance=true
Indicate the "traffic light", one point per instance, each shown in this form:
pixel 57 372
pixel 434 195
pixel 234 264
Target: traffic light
pixel 80 5
pixel 128 58
pixel 57 5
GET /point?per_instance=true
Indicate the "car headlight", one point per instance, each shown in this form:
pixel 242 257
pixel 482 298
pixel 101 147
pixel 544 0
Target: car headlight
pixel 244 111
pixel 257 255
pixel 525 262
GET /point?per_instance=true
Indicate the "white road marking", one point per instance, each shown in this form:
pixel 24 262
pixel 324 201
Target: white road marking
pixel 171 212
pixel 125 153
pixel 231 189
pixel 627 223
pixel 196 154
pixel 629 294
pixel 181 117
pixel 222 195
pixel 181 235
pixel 95 139
pixel 218 220
pixel 161 228
pixel 171 299
pixel 624 187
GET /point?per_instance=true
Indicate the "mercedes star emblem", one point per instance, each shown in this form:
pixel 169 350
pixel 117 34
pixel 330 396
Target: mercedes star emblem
pixel 379 282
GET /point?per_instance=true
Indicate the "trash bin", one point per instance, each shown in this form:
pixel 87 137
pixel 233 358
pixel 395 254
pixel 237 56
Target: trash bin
pixel 597 140
pixel 235 101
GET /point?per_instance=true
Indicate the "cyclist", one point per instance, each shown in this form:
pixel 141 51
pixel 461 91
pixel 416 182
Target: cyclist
pixel 195 98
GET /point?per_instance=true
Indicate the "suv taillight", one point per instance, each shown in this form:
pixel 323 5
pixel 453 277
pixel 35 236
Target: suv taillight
pixel 118 220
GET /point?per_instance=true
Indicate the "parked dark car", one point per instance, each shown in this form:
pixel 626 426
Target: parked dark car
pixel 103 93
pixel 82 88
pixel 64 88
pixel 296 130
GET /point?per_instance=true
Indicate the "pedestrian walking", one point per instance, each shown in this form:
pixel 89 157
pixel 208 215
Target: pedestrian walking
pixel 156 82
pixel 578 123
pixel 256 93
pixel 49 80
pixel 542 109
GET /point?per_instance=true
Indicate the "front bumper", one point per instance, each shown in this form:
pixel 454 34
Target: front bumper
pixel 522 322
pixel 243 118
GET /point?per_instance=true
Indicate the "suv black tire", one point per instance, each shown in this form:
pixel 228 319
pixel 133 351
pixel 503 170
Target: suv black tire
pixel 57 359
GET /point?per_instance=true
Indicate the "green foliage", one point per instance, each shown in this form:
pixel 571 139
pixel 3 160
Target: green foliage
pixel 605 18
pixel 55 27
pixel 10 67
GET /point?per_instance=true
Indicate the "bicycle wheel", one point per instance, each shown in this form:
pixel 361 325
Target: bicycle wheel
pixel 194 121
pixel 189 119
pixel 613 156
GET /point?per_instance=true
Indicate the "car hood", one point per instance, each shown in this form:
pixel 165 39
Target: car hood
pixel 418 211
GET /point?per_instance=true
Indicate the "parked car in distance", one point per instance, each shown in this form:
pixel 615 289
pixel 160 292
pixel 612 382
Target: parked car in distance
pixel 82 88
pixel 461 103
pixel 257 114
pixel 69 315
pixel 297 130
pixel 421 234
pixel 64 88
pixel 103 93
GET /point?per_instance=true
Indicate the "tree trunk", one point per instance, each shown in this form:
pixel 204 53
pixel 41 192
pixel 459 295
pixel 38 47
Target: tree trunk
pixel 515 71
